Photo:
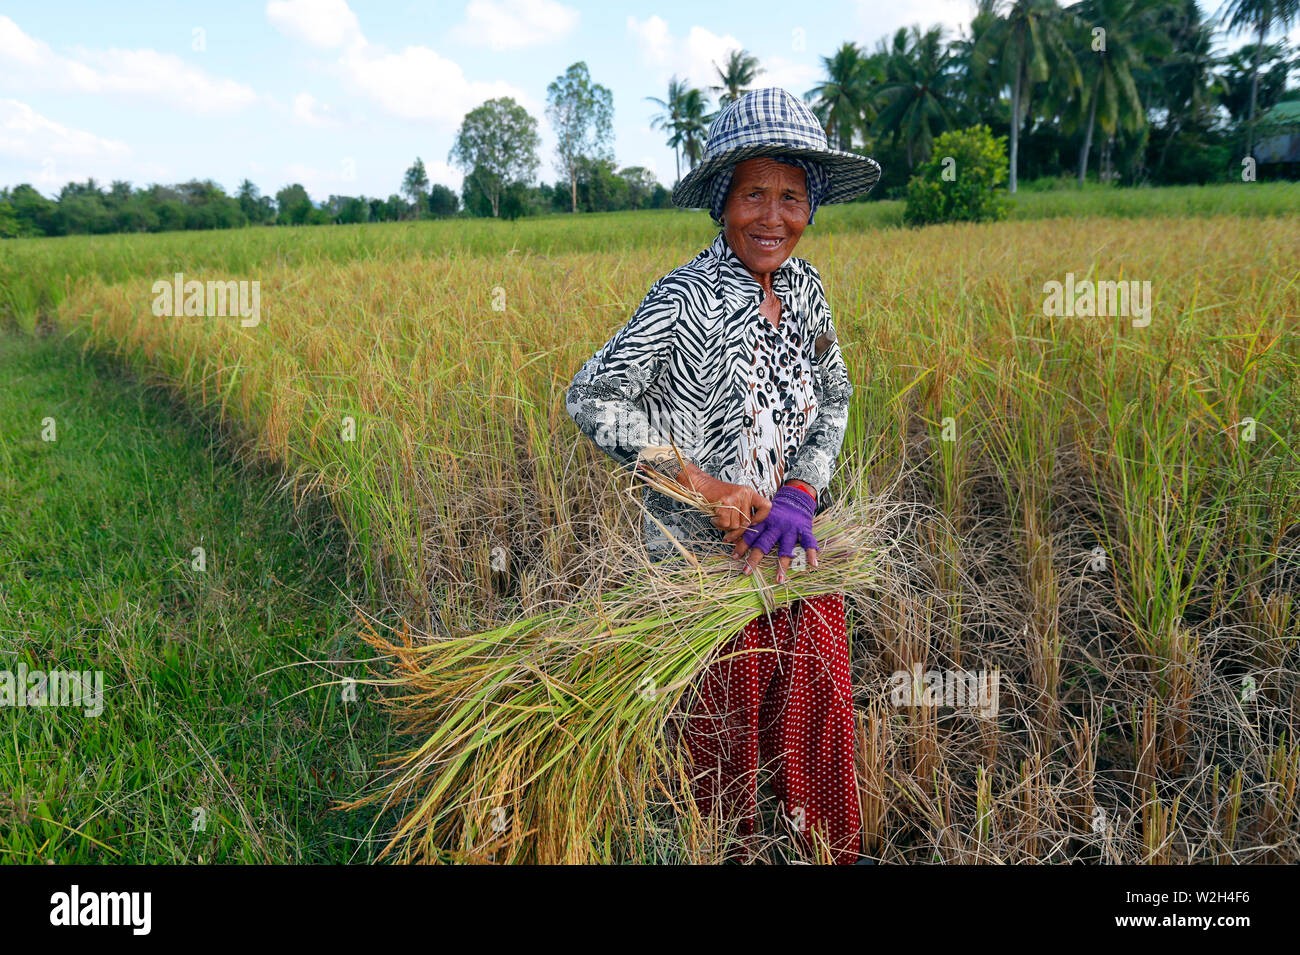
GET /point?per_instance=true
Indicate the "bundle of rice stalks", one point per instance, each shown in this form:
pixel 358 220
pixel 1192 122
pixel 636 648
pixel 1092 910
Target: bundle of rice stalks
pixel 544 739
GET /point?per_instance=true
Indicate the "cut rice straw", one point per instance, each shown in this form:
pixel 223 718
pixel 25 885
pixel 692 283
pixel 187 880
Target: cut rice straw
pixel 544 740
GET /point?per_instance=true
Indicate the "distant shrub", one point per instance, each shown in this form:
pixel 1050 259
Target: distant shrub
pixel 959 183
pixel 1190 161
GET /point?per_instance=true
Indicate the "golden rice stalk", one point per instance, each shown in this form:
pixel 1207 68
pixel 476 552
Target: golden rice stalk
pixel 543 740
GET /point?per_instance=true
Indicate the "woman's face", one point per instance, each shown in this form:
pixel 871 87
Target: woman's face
pixel 766 212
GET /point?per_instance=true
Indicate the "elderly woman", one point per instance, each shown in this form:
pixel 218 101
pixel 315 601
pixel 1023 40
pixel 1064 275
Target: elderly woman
pixel 731 361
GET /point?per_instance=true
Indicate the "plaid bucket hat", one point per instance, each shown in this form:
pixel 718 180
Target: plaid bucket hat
pixel 772 122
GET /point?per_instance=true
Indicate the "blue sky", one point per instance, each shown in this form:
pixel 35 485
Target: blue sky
pixel 341 95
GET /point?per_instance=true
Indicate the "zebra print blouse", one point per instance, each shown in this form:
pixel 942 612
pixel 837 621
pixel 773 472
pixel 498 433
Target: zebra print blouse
pixel 679 371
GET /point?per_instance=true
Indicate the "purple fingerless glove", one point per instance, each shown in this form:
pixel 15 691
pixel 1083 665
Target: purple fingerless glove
pixel 789 523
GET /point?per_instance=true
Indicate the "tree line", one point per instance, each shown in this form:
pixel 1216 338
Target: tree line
pixel 1125 91
pixel 88 208
pixel 1130 91
pixel 496 147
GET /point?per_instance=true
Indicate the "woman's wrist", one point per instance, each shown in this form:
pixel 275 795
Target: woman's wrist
pixel 666 460
pixel 803 486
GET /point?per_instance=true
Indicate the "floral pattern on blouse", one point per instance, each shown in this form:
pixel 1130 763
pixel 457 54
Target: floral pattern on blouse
pixel 780 403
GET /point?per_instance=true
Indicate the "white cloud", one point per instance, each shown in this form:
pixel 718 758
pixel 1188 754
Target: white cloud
pixel 26 134
pixel 17 47
pixel 704 52
pixel 28 63
pixel 796 78
pixel 514 24
pixel 691 58
pixel 324 24
pixel 441 172
pixel 419 84
pixel 653 38
pixel 877 21
pixel 47 154
pixel 149 73
pixel 311 112
pixel 415 83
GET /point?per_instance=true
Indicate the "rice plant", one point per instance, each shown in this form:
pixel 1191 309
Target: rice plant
pixel 1114 515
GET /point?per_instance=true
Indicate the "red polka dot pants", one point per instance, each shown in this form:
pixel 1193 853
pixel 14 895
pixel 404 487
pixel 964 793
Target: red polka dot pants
pixel 779 697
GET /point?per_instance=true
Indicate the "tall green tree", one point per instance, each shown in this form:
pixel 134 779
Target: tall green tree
pixel 249 198
pixel 695 122
pixel 36 214
pixel 980 86
pixel 920 97
pixel 737 76
pixel 582 114
pixel 10 226
pixel 415 183
pixel 294 205
pixel 670 119
pixel 442 201
pixel 1238 71
pixel 1123 35
pixel 842 101
pixel 1186 87
pixel 1262 16
pixel 643 189
pixel 497 145
pixel 1026 39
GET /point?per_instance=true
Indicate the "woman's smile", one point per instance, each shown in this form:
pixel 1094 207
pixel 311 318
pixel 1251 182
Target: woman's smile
pixel 766 212
pixel 769 242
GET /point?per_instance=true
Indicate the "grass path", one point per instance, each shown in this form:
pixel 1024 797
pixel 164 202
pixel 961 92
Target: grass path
pixel 202 752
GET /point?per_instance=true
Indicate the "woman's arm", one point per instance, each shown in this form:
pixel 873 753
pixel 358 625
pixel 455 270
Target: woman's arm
pixel 604 402
pixel 815 461
pixel 738 505
pixel 604 397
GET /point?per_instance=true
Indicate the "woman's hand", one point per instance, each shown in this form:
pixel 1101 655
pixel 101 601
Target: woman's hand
pixel 788 524
pixel 738 506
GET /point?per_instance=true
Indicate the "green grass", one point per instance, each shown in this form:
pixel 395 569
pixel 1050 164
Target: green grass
pixel 200 670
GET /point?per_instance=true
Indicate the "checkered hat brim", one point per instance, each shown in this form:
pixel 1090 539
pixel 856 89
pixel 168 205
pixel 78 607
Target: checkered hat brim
pixel 772 122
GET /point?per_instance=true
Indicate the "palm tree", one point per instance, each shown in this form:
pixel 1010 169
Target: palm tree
pixel 919 98
pixel 1263 16
pixel 1186 83
pixel 1021 43
pixel 1235 70
pixel 736 77
pixel 843 101
pixel 1111 96
pixel 671 118
pixel 980 84
pixel 694 124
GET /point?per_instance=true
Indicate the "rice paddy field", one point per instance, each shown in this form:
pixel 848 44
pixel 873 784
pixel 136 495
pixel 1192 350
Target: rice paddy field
pixel 1104 511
